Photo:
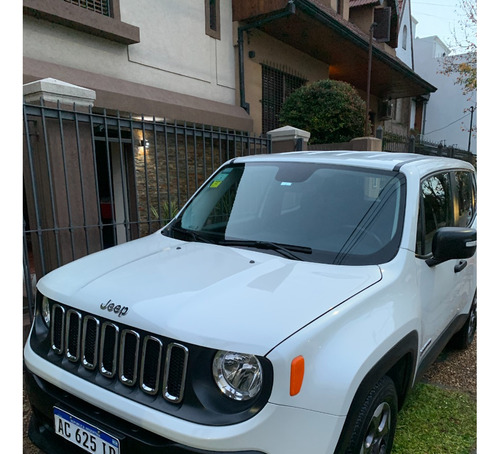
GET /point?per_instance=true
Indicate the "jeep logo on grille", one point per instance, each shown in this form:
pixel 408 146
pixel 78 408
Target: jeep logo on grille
pixel 116 308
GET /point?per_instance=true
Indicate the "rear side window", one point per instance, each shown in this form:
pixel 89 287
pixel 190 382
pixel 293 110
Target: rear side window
pixel 466 198
pixel 436 210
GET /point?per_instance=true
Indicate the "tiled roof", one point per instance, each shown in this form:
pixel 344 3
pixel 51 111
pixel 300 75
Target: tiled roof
pixel 354 3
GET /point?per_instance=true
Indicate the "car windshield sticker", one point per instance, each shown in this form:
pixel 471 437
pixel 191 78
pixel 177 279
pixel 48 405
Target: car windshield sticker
pixel 220 178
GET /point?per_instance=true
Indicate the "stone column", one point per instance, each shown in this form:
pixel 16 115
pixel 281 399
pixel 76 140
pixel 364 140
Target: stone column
pixel 289 138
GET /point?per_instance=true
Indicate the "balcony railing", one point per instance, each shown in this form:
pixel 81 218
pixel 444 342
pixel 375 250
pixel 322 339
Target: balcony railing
pixel 97 6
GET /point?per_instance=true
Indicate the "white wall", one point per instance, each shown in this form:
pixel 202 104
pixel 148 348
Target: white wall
pixel 174 52
pixel 446 118
pixel 405 55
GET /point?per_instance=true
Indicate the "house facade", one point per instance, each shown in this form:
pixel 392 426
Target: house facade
pixel 405 114
pixel 282 45
pixel 220 62
pixel 406 32
pixel 450 116
pixel 166 58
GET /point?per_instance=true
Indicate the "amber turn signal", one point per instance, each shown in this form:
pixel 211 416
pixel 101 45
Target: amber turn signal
pixel 296 375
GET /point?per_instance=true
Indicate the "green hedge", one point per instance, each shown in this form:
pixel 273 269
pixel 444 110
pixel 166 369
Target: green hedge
pixel 332 111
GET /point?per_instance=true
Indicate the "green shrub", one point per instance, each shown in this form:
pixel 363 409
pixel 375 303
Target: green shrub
pixel 332 111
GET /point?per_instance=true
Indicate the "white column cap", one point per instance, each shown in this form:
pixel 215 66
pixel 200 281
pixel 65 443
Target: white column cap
pixel 53 90
pixel 289 133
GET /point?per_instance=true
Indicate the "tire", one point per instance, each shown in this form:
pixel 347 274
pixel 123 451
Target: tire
pixel 464 338
pixel 373 431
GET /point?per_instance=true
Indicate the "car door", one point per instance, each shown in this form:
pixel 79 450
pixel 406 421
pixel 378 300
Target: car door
pixel 444 288
pixel 465 216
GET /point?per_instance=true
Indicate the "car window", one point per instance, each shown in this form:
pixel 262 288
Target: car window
pixel 436 210
pixel 466 198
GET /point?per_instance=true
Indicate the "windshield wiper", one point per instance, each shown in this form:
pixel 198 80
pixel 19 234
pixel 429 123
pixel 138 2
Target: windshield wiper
pixel 193 234
pixel 284 249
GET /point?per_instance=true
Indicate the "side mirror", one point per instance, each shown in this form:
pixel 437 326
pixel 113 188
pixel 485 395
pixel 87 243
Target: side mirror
pixel 452 243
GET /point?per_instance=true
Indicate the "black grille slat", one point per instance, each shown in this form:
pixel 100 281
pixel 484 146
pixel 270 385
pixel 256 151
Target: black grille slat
pixel 175 374
pixel 129 357
pixel 109 349
pixel 73 333
pixel 90 342
pixel 57 328
pixel 150 364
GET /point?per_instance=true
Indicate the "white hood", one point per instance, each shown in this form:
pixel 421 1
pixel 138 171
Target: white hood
pixel 215 296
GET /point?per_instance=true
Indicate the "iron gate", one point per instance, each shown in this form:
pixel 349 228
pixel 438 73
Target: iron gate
pixel 93 179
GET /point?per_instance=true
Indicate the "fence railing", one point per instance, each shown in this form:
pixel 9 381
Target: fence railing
pixel 97 6
pixel 415 144
pixel 96 179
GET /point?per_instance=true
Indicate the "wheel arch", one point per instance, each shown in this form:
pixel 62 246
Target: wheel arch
pixel 399 364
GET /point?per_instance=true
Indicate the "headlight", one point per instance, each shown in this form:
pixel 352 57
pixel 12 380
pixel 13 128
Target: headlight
pixel 45 311
pixel 238 375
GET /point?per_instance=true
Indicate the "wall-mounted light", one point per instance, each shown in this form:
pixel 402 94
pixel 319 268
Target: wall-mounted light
pixel 145 144
pixel 251 54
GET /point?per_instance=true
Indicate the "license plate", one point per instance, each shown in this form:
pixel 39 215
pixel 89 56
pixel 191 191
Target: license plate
pixel 83 434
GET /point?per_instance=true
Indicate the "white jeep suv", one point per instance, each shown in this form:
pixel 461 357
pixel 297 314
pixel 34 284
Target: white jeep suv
pixel 288 308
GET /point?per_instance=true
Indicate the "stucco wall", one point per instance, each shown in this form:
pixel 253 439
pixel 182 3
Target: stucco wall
pixel 174 53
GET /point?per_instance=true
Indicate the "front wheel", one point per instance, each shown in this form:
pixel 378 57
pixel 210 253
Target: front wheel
pixel 375 425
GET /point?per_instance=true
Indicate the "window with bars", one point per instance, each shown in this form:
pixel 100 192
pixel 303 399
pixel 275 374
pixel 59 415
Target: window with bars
pixel 97 6
pixel 212 18
pixel 277 85
pixel 340 7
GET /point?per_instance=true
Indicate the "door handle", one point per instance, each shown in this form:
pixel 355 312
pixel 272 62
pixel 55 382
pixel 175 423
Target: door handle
pixel 460 266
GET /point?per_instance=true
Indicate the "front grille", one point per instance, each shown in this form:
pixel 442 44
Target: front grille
pixel 119 353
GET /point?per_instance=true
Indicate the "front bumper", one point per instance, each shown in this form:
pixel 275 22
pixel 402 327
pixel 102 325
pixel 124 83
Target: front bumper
pixel 133 439
pixel 276 429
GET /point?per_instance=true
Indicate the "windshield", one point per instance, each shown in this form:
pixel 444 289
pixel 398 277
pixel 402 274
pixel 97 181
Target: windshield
pixel 318 212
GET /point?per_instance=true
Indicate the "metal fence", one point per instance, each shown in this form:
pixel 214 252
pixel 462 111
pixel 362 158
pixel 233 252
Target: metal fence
pixel 93 179
pixel 415 144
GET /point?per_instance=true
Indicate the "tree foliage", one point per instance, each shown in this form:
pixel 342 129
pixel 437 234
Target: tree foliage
pixel 331 110
pixel 463 64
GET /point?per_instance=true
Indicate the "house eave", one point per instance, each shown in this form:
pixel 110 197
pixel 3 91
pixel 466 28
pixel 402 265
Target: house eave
pixel 321 33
